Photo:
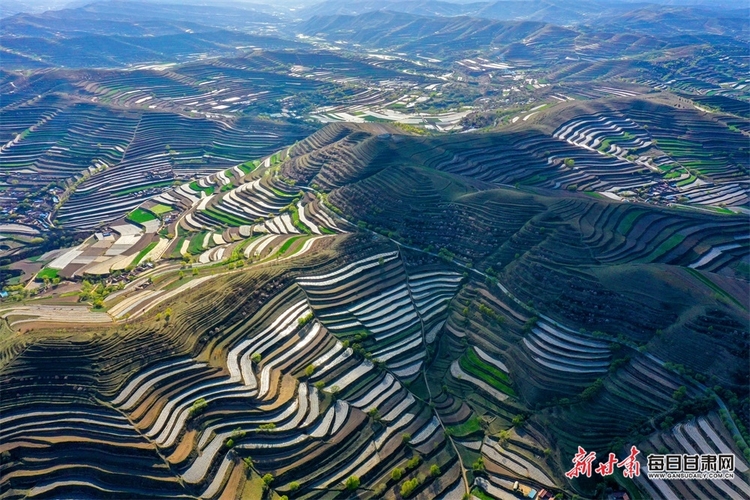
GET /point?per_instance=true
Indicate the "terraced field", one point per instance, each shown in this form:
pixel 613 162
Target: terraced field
pixel 704 435
pixel 704 171
pixel 559 261
pixel 380 314
pixel 245 214
pixel 391 315
pixel 110 160
pixel 276 389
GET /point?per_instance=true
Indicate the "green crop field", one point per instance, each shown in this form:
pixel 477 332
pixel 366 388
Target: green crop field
pixel 143 253
pixel 47 273
pixel 140 216
pixel 161 209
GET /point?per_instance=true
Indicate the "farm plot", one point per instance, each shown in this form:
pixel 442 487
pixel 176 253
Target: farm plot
pixel 703 435
pixel 434 212
pixel 73 447
pixel 121 246
pixel 564 352
pixel 640 389
pixel 509 462
pixel 479 365
pixel 146 154
pixel 338 155
pixel 147 167
pixel 65 141
pixel 622 233
pixel 375 305
pixel 258 204
pixel 706 148
pixel 361 368
pixel 288 425
pixel 497 158
pixel 18 314
pixel 617 136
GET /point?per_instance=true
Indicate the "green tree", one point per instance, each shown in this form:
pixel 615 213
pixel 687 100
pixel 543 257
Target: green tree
pixel 397 473
pixel 199 406
pixel 518 420
pixel 352 483
pixel 680 393
pixel 374 414
pixel 408 487
pixel 414 462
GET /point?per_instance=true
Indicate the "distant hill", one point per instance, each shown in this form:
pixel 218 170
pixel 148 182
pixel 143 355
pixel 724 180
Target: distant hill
pixel 111 34
pixel 429 35
pixel 680 16
pixel 523 41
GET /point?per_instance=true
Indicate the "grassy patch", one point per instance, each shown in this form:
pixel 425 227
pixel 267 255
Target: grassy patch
pixel 288 243
pixel 687 181
pixel 295 220
pixel 48 273
pixel 375 119
pixel 721 210
pixel 176 253
pixel 195 187
pixel 627 222
pixel 280 193
pixel 249 166
pixel 161 209
pixel 178 283
pixel 226 218
pixel 140 216
pixel 473 365
pixel 713 286
pixel 238 252
pixel 668 245
pixel 144 252
pixel 469 427
pixel 196 243
pixel 481 495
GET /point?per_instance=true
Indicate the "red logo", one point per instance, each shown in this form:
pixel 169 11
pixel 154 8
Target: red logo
pixel 582 464
pixel 631 466
pixel 608 467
